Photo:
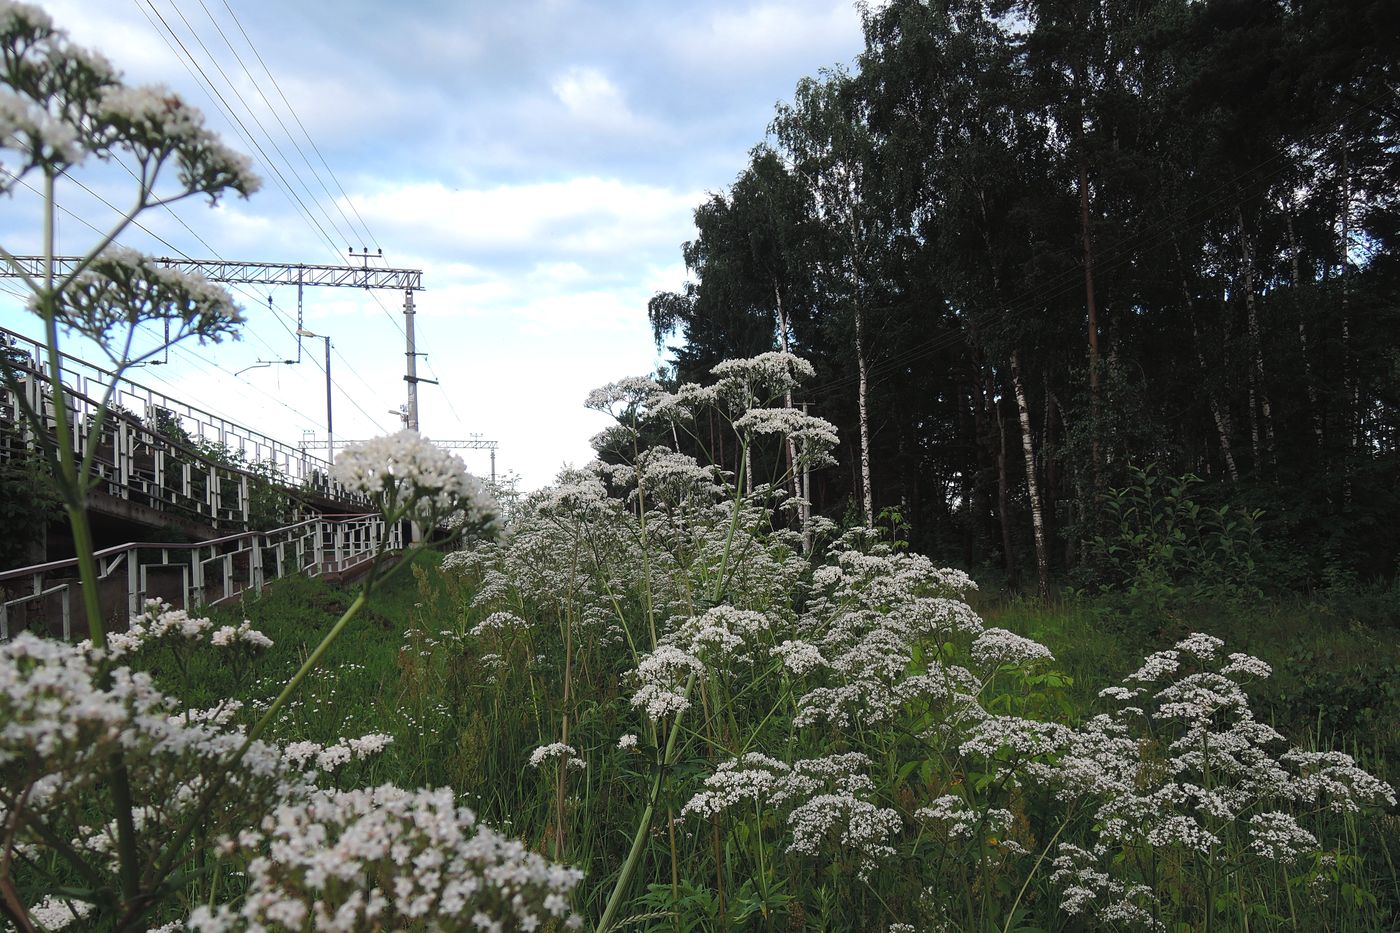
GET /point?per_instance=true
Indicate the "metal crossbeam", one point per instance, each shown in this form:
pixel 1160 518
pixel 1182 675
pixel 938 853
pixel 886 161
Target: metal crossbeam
pixel 474 444
pixel 253 273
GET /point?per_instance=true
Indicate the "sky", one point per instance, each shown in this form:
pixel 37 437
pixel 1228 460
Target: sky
pixel 539 160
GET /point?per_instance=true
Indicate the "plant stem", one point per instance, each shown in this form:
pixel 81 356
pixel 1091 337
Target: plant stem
pixel 644 824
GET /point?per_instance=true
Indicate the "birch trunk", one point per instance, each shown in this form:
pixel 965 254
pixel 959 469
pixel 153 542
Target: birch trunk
pixel 1257 382
pixel 1220 415
pixel 867 499
pixel 791 445
pixel 1349 381
pixel 1091 306
pixel 1003 492
pixel 1308 381
pixel 1042 556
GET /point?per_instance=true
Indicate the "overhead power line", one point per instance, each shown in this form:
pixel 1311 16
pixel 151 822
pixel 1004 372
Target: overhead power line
pixel 197 72
pixel 311 142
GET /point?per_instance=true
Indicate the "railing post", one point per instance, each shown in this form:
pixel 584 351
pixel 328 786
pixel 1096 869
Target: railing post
pixel 158 458
pixel 216 494
pixel 196 580
pixel 318 544
pixel 245 506
pixel 67 612
pixel 133 582
pixel 255 565
pixel 123 447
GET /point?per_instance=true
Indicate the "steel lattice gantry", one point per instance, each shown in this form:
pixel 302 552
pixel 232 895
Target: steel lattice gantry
pixel 233 272
pixel 254 273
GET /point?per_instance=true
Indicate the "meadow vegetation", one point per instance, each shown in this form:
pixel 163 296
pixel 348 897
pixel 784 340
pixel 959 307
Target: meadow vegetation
pixel 667 695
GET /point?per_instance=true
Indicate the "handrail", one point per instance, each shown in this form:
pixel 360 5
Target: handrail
pixel 82 372
pixel 170 545
pixel 195 574
pixel 146 464
pixel 156 434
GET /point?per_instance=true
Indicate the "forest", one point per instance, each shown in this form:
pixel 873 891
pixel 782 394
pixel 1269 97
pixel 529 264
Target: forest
pixel 1049 257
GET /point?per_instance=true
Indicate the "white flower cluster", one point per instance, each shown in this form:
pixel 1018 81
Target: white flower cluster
pixel 823 799
pixel 722 635
pixel 227 635
pixel 389 858
pixel 565 753
pixel 161 624
pixel 327 758
pixel 997 646
pixel 60 103
pixel 352 860
pixel 662 676
pixel 153 120
pixel 53 913
pixel 413 478
pixel 123 288
pixel 751 382
pixel 961 821
pixel 670 478
pixel 1182 765
pixel 500 623
pixel 47 88
pixel 624 396
pixel 815 437
pixel 64 713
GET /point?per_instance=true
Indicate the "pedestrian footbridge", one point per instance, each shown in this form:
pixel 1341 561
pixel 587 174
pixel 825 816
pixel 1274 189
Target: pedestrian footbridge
pixel 187 506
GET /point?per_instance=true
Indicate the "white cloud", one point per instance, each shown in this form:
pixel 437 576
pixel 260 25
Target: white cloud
pixel 580 219
pixel 758 37
pixel 588 95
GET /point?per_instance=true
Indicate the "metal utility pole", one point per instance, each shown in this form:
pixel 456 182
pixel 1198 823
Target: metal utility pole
pixel 412 355
pixel 330 428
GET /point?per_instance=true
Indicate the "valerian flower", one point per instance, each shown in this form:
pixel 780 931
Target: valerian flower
pixel 1177 767
pixel 412 478
pixel 389 858
pixel 122 288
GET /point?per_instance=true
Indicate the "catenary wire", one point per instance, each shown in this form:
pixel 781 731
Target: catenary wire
pixel 292 110
pixel 188 61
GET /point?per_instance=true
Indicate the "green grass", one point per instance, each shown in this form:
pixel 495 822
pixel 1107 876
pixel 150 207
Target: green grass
pixel 459 719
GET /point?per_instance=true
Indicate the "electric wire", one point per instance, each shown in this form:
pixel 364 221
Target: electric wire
pixel 292 110
pixel 286 163
pixel 192 66
pixel 278 316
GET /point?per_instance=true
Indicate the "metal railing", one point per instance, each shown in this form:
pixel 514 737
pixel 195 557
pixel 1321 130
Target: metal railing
pixel 190 576
pixel 155 451
pixel 174 419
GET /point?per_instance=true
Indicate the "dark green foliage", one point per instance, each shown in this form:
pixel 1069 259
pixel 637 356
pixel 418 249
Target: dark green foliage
pixel 28 502
pixel 1218 179
pixel 1157 543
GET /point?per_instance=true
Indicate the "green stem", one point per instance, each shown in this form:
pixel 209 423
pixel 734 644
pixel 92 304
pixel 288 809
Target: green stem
pixel 1011 914
pixel 733 524
pixel 303 671
pixel 644 825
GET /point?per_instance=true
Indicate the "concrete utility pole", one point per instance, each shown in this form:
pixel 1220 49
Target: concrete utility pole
pixel 330 429
pixel 412 354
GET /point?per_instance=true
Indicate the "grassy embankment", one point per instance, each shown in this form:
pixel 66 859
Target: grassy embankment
pixel 461 717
